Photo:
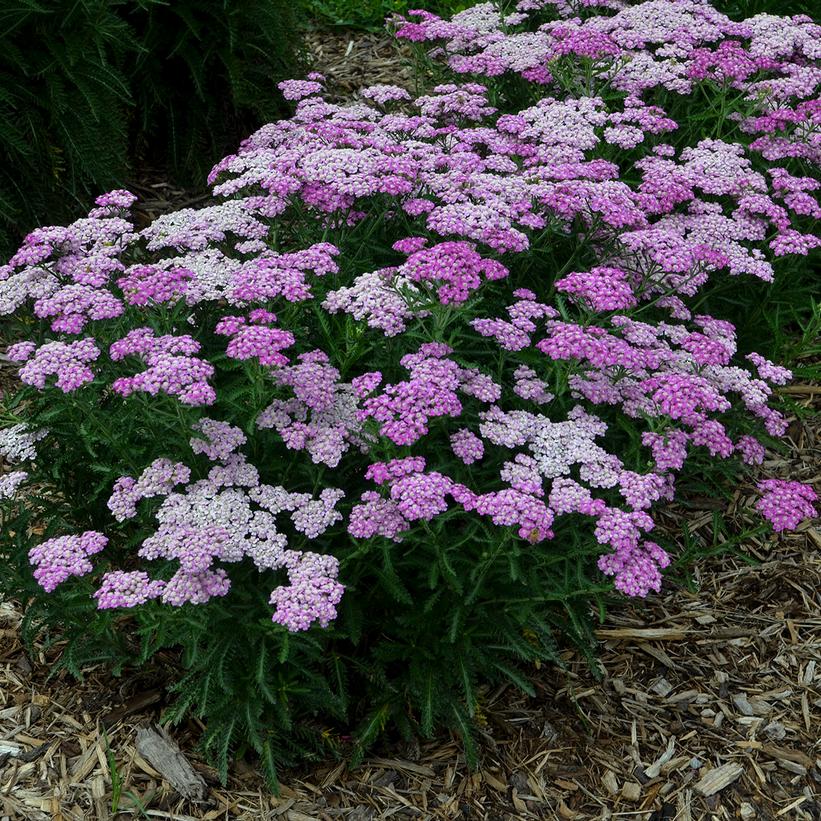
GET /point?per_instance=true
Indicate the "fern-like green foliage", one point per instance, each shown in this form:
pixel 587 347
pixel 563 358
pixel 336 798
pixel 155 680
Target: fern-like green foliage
pixel 87 86
pixel 205 75
pixel 64 105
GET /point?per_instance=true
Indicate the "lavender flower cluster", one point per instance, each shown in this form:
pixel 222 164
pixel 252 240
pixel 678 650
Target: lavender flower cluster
pixel 226 517
pixel 443 373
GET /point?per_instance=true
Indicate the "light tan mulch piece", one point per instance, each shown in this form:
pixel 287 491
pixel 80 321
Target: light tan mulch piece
pixel 709 704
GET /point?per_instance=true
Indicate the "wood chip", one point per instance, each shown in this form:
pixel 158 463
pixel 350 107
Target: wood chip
pixel 718 778
pixel 162 752
pixel 742 704
pixel 655 768
pixel 794 805
pixel 10 749
pixel 631 791
pixel 494 782
pixel 686 695
pixel 399 764
pixel 611 783
pixel 642 633
pixel 782 754
pixel 792 766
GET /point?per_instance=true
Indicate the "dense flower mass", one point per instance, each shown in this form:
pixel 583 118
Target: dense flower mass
pixel 483 319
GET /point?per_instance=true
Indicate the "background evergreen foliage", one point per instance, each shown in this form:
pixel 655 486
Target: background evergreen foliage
pixel 88 85
pixel 205 75
pixel 64 106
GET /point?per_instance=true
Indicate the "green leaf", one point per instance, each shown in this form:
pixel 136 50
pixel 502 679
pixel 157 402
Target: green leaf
pixel 514 676
pixel 269 766
pixel 428 697
pixel 369 731
pixel 465 728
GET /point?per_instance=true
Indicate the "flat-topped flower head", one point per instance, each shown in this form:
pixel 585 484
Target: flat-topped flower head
pixel 785 504
pixel 57 559
pixel 171 367
pixel 68 362
pixel 10 483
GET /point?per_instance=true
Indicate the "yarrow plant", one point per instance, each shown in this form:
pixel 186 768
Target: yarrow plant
pixel 409 395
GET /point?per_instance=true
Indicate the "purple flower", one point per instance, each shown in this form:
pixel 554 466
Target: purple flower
pixel 70 308
pixel 785 504
pixel 255 341
pixel 56 560
pixel 10 482
pixel 421 495
pixel 298 89
pixel 119 198
pixel 195 588
pixel 376 516
pixel 382 298
pixel 67 361
pixel 454 268
pixel 751 450
pixel 637 570
pixel 509 507
pixel 145 284
pixel 444 207
pixel 384 94
pixel 467 446
pixel 172 368
pixel 127 589
pixel 221 439
pixel 603 288
pixel 158 479
pixel 403 410
pixel 311 595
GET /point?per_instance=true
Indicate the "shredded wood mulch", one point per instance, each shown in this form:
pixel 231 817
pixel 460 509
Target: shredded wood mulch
pixel 707 703
pixel 351 60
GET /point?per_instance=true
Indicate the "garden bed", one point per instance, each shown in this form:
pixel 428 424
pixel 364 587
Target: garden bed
pixel 707 705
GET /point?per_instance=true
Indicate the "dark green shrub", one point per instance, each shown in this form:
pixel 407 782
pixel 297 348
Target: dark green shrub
pixel 176 84
pixel 64 107
pixel 206 73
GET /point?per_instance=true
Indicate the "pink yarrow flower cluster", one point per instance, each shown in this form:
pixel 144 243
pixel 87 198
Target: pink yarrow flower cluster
pixel 224 518
pixel 172 367
pixel 56 560
pixel 67 361
pixel 785 504
pixel 254 338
